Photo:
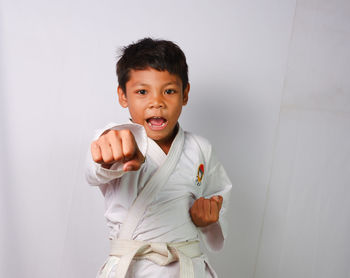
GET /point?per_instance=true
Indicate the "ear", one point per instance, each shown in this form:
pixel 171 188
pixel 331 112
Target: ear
pixel 123 101
pixel 185 94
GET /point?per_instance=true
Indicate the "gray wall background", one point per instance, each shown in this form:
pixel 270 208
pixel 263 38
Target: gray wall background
pixel 270 89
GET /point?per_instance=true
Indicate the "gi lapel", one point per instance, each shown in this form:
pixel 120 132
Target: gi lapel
pixel 149 191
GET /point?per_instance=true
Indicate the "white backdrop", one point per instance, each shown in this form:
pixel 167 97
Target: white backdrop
pixel 269 87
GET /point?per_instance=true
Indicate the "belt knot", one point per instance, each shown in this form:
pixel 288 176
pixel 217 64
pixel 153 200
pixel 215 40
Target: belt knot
pixel 161 253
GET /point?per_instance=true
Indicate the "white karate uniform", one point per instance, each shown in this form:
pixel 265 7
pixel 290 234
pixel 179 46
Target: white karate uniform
pixel 167 218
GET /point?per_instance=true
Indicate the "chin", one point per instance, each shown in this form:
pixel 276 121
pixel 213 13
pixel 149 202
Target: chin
pixel 156 137
pixel 159 135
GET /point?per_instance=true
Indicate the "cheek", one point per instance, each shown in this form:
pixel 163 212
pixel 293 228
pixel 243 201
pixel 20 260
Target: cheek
pixel 136 107
pixel 137 112
pixel 176 112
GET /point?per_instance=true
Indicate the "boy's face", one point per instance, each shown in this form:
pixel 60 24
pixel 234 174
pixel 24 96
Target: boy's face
pixel 155 99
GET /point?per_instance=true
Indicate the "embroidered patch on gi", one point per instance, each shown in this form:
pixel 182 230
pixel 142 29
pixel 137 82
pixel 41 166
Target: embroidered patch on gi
pixel 200 174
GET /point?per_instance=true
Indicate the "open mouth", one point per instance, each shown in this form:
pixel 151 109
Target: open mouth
pixel 157 123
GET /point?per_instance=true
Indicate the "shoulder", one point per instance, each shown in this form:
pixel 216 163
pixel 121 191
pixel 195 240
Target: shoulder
pixel 203 144
pixel 198 138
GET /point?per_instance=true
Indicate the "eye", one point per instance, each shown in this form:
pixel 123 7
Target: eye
pixel 169 91
pixel 141 92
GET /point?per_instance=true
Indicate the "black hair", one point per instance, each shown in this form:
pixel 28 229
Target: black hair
pixel 157 54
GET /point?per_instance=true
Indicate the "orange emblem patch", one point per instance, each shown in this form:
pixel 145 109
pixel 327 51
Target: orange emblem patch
pixel 200 174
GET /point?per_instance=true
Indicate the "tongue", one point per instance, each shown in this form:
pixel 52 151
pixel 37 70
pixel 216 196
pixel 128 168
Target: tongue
pixel 156 121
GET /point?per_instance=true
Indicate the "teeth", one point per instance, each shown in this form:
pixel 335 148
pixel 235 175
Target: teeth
pixel 163 124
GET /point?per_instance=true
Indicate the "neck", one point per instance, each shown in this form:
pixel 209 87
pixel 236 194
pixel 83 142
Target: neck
pixel 165 147
pixel 165 144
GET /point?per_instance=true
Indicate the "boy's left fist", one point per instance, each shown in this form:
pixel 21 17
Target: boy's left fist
pixel 206 211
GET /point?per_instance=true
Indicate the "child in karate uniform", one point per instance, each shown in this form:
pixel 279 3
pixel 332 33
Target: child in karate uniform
pixel 164 188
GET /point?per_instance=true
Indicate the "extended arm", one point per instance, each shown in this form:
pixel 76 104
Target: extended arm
pixel 115 150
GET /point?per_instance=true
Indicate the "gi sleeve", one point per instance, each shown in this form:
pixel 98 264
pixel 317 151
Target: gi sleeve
pixel 96 174
pixel 217 183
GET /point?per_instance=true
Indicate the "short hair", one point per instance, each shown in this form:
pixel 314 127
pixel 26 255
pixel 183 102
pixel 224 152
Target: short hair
pixel 157 54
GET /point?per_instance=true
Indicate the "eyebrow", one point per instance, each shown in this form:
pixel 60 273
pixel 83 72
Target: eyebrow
pixel 140 84
pixel 166 84
pixel 172 83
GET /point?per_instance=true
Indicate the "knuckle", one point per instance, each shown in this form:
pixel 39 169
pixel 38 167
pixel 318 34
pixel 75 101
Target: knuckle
pixel 128 153
pixel 107 159
pixel 118 157
pixel 96 158
pixel 113 134
pixel 102 140
pixel 125 132
pixel 94 144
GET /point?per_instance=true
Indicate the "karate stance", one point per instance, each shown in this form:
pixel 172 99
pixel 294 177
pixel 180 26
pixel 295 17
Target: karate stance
pixel 164 188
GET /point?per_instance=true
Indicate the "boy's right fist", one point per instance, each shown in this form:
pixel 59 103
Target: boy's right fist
pixel 117 146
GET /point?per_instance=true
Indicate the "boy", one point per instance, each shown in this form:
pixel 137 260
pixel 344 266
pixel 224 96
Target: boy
pixel 164 188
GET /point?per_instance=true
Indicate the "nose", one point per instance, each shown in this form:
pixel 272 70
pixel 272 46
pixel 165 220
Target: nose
pixel 156 101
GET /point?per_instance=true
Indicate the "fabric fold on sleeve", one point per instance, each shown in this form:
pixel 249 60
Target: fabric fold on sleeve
pixel 217 183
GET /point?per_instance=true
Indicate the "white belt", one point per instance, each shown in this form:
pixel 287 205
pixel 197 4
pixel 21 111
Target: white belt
pixel 161 253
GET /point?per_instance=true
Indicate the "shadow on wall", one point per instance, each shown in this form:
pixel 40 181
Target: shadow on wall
pixel 9 235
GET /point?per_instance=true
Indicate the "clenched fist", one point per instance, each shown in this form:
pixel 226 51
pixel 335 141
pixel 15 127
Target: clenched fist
pixel 117 146
pixel 206 211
